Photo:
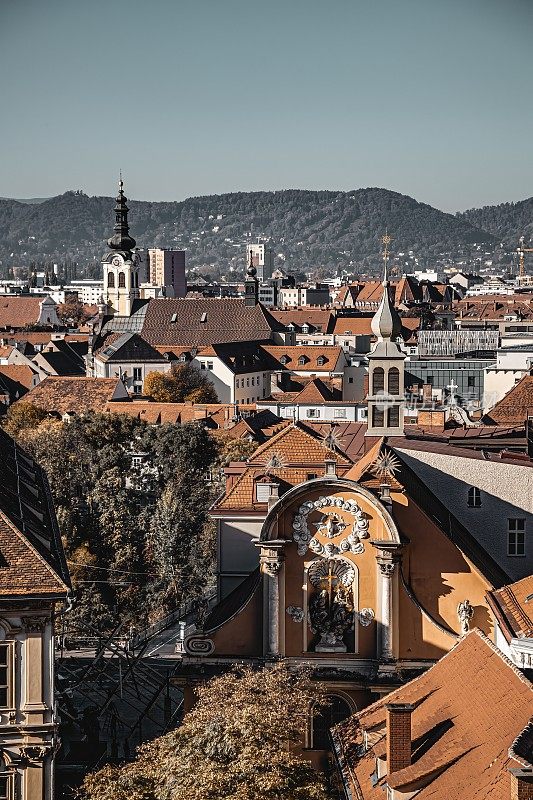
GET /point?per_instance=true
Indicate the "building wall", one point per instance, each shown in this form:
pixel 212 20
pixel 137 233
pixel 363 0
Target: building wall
pixel 133 373
pixel 506 492
pixel 166 267
pixel 28 733
pixel 497 383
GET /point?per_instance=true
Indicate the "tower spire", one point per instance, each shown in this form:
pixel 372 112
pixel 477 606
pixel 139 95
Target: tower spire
pixel 386 323
pixel 121 239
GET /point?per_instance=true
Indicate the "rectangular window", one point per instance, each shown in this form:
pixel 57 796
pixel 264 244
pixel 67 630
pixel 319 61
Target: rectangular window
pixel 202 364
pixel 6 675
pixel 6 783
pixel 471 382
pixel 262 491
pixel 350 380
pixel 339 413
pixel 311 476
pixel 248 381
pixel 516 536
pixel 311 412
pixel 137 373
pixel 209 365
pixel 137 389
pixel 253 381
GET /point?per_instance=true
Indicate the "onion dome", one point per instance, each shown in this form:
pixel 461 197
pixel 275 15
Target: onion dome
pixel 121 239
pixel 386 322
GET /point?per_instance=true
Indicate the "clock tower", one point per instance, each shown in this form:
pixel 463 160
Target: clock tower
pixel 121 265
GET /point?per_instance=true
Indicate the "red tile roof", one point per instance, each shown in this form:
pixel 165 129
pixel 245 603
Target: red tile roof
pixel 63 395
pixel 312 354
pixel 513 607
pixel 18 312
pixel 516 406
pixel 469 710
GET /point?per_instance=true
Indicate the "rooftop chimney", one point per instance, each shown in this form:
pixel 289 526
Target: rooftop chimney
pixel 398 736
pixel 522 783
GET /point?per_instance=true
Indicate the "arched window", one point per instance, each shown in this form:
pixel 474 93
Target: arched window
pixel 326 718
pixel 378 417
pixel 110 280
pixel 378 380
pixel 393 417
pixel 136 279
pixel 394 380
pixel 121 280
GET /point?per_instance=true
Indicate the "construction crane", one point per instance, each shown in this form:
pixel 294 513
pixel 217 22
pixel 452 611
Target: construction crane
pixel 521 250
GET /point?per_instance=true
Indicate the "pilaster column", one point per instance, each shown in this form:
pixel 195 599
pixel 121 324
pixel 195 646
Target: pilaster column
pixel 271 560
pixel 386 570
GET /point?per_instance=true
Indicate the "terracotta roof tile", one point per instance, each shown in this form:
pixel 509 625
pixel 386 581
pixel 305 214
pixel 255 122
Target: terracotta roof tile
pixel 514 408
pixel 75 395
pixel 19 374
pixel 469 710
pixel 31 554
pixel 297 449
pixel 311 354
pixel 515 604
pixel 17 312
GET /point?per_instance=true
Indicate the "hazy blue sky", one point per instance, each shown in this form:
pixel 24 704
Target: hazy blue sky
pixel 432 98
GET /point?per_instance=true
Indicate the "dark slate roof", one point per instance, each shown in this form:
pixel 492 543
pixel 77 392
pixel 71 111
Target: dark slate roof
pixel 32 560
pixel 128 347
pixel 63 364
pixel 206 321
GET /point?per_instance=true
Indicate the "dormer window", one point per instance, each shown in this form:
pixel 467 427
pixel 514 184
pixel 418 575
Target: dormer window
pixel 302 360
pixel 474 497
pixel 284 359
pixel 321 360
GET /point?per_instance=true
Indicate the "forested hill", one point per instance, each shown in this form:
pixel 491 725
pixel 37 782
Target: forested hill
pixel 508 221
pixel 308 228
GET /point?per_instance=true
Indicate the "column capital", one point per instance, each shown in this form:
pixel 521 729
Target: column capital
pixel 271 556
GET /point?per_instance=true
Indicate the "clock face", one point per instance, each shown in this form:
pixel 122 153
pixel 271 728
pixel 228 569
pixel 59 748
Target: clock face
pixel 116 261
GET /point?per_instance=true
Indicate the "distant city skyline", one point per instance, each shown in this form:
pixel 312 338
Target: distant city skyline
pixel 426 98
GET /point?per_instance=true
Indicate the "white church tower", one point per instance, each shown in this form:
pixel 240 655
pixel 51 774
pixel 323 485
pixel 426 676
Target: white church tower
pixel 121 266
pixel 385 399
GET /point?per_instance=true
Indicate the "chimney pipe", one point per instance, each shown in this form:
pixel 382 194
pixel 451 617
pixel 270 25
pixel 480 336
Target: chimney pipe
pixel 398 736
pixel 522 783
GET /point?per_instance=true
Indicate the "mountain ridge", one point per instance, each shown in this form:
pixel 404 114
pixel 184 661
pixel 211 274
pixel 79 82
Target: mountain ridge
pixel 307 228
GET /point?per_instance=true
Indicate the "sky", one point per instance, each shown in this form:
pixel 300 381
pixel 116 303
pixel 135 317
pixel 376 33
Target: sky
pixel 430 98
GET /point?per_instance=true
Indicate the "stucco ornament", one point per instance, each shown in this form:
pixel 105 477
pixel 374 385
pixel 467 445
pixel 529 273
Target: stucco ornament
pixel 331 609
pixel 295 613
pixel 331 526
pixel 366 617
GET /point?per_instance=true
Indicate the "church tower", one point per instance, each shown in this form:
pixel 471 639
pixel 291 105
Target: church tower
pixel 385 399
pixel 251 285
pixel 121 266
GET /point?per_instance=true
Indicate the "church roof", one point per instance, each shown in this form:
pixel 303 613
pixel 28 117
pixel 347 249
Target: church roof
pixel 32 561
pixel 290 455
pixel 471 711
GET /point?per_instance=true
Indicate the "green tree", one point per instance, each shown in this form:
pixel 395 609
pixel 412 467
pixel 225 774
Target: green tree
pixel 237 743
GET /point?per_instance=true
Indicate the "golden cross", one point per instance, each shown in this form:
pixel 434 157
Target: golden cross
pixel 328 580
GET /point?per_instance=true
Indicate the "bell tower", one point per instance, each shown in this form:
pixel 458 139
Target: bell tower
pixel 385 399
pixel 121 266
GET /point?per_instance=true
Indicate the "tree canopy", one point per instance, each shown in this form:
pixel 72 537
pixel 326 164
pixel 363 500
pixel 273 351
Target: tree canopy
pixel 131 501
pixel 183 383
pixel 237 743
